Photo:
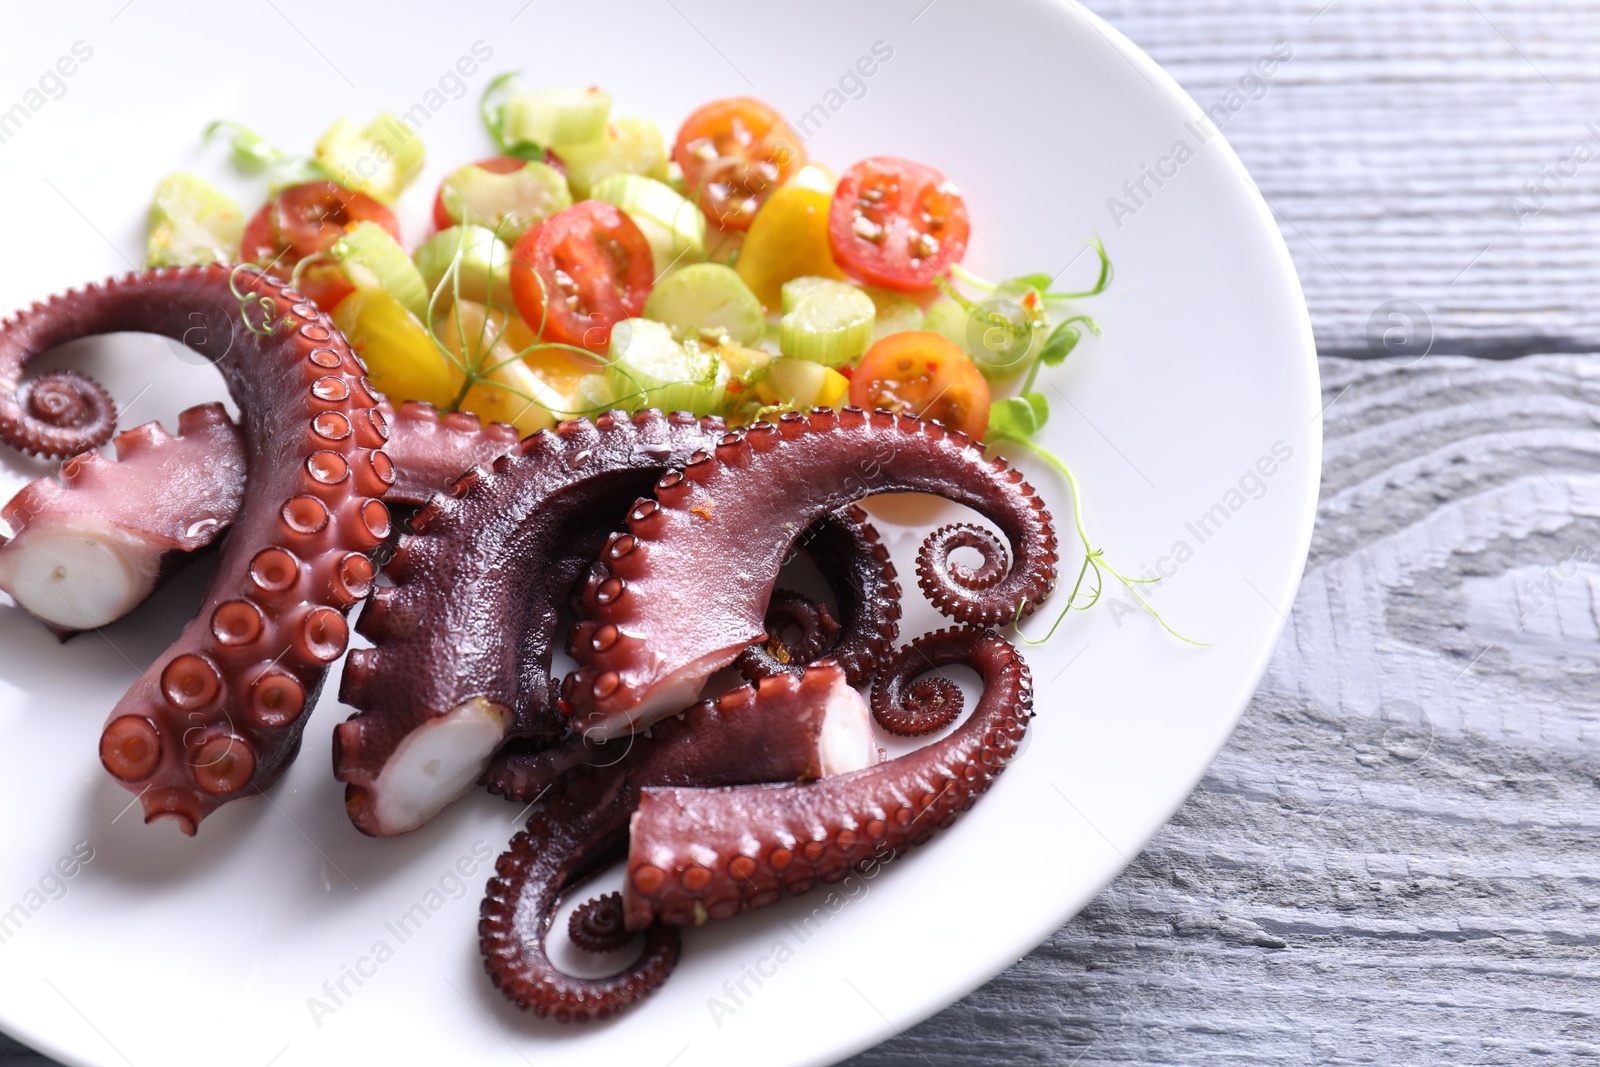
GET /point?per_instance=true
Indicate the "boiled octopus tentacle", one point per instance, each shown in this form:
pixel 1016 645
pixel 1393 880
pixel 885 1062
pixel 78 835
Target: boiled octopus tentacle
pixel 846 548
pixel 788 612
pixel 776 732
pixel 117 530
pixel 54 415
pixel 727 520
pixel 463 640
pixel 495 560
pixel 938 573
pixel 430 450
pixel 698 852
pixel 89 548
pixel 220 713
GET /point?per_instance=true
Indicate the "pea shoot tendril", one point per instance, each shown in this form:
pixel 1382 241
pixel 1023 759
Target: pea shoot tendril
pixel 1017 419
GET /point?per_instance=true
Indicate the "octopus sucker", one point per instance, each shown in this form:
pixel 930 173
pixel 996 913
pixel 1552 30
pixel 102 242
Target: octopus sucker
pixel 471 620
pixel 88 548
pixel 198 706
pixel 770 732
pixel 729 526
pixel 846 548
pixel 696 852
pixel 464 639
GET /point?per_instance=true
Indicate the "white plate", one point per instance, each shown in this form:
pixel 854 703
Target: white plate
pixel 170 950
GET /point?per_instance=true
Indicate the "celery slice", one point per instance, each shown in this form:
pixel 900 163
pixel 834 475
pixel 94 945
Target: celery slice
pixel 825 321
pixel 797 289
pixel 628 146
pixel 483 269
pixel 948 318
pixel 896 312
pixel 707 301
pixel 651 369
pixel 592 395
pixel 508 204
pixel 557 116
pixel 995 347
pixel 192 223
pixel 674 226
pixel 379 159
pixel 371 259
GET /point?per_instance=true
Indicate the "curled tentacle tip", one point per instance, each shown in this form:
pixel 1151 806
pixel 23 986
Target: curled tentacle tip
pixel 62 413
pixel 926 705
pixel 598 926
pixel 942 578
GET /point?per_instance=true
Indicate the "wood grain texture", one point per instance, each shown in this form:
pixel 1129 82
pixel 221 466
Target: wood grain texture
pixel 1392 143
pixel 1394 860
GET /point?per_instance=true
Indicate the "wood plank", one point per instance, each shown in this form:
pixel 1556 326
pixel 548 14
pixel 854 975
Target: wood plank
pixel 1391 145
pixel 1395 858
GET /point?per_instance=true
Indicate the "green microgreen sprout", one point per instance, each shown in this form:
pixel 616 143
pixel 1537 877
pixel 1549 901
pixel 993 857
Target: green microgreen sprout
pixel 266 327
pixel 492 106
pixel 1017 419
pixel 471 362
pixel 253 154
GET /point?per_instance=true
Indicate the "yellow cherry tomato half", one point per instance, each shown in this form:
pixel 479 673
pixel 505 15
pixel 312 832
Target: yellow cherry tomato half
pixel 511 391
pixel 401 359
pixel 788 239
pixel 926 374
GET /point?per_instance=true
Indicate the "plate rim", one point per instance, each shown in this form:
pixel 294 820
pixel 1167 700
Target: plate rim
pixel 953 992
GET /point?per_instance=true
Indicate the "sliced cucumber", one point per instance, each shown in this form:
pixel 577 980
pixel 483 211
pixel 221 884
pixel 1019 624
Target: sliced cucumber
pixel 948 318
pixel 988 335
pixel 897 312
pixel 825 321
pixel 191 223
pixel 801 383
pixel 651 369
pixel 592 395
pixel 507 204
pixel 675 227
pixel 379 159
pixel 482 262
pixel 797 289
pixel 707 301
pixel 557 116
pixel 371 259
pixel 628 146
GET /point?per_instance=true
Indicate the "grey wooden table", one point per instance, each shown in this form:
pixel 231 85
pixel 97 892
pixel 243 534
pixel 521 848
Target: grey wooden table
pixel 1394 860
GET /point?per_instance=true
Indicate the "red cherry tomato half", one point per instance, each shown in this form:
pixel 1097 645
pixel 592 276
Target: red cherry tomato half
pixel 926 374
pixel 897 223
pixel 595 265
pixel 305 219
pixel 734 154
pixel 494 165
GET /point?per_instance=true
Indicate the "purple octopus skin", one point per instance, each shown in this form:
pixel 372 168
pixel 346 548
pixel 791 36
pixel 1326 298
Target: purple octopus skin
pixel 132 523
pixel 815 632
pixel 87 549
pixel 463 641
pixel 647 641
pixel 698 853
pixel 846 549
pixel 774 732
pixel 110 532
pixel 220 713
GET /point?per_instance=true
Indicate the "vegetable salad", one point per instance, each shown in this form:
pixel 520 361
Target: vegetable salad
pixel 592 265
